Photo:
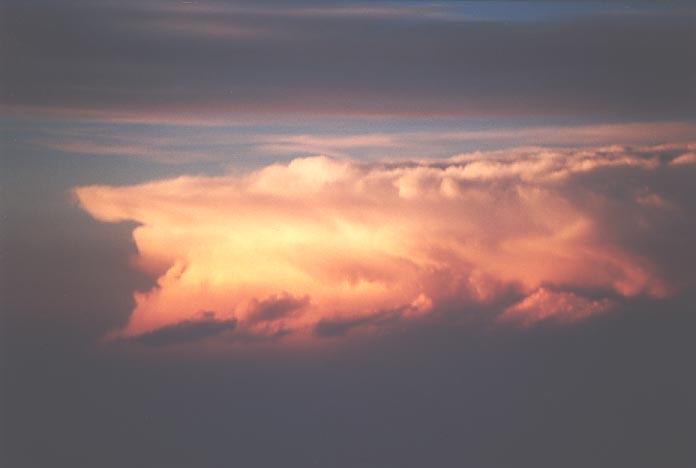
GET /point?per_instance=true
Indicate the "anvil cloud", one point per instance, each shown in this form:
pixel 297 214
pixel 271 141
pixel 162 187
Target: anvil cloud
pixel 323 244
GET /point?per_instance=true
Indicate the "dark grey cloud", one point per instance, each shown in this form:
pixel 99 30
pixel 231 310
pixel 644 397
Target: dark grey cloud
pixel 330 328
pixel 57 266
pixel 186 331
pixel 616 390
pixel 215 58
pixel 277 307
pixel 339 327
pixel 245 337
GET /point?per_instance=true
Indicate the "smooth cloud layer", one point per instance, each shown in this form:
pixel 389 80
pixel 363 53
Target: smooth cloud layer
pixel 150 60
pixel 320 246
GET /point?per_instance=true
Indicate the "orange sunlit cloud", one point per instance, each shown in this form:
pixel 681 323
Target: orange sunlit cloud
pixel 320 242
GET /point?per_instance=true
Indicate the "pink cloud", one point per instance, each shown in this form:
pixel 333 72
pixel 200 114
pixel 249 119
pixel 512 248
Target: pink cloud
pixel 544 304
pixel 684 159
pixel 338 241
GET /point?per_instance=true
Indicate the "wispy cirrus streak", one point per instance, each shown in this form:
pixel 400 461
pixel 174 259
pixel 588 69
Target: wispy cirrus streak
pixel 323 247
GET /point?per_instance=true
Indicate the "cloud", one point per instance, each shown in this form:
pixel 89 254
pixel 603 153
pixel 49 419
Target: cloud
pixel 158 59
pixel 326 328
pixel 133 150
pixel 563 229
pixel 205 141
pixel 686 158
pixel 276 307
pixel 442 140
pixel 333 327
pixel 544 304
pixel 186 331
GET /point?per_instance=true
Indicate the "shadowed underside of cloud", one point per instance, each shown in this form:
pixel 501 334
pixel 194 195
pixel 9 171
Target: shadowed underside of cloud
pixel 186 331
pixel 333 327
pixel 276 307
pixel 323 246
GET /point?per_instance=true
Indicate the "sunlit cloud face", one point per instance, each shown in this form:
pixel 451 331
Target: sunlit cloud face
pixel 321 247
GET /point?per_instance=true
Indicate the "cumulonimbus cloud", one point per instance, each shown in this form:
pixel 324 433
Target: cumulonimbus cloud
pixel 322 246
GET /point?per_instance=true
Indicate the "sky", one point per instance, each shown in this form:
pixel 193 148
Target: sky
pixel 347 234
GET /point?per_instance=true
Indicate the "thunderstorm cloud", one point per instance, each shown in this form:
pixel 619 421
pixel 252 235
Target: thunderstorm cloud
pixel 320 246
